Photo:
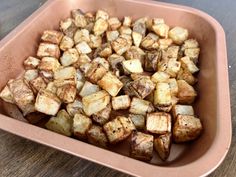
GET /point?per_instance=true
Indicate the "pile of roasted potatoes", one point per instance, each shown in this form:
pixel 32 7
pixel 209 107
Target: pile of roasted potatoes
pixel 103 79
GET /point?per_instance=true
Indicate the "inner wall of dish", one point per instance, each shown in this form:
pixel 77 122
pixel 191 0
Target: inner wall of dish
pixel 25 43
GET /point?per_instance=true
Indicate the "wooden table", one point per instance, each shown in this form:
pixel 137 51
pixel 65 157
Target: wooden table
pixel 22 158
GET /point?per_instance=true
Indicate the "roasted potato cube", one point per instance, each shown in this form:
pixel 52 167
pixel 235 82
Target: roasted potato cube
pixel 112 35
pixel 127 21
pixel 189 65
pixel 88 89
pixel 184 74
pixel 182 110
pixel 23 95
pixel 128 39
pixel 68 27
pixel 139 26
pixel 173 86
pixel 81 35
pixel 96 136
pixel 170 53
pixel 85 67
pixel 102 116
pixel 139 106
pixel 60 82
pixel 127 88
pixel 173 67
pixel 95 102
pixel 132 66
pixel 81 124
pixel 178 34
pixel 66 43
pixel 65 73
pixel 193 54
pixel 135 53
pixel 102 61
pixel 186 93
pixel 95 41
pixel 190 43
pixel 125 30
pixel 186 128
pixel 162 145
pixel 6 95
pixel 162 97
pixel 31 63
pixel 110 83
pixel 83 48
pixel 150 42
pixel 75 108
pixel 83 59
pixel 136 76
pixel 31 74
pixel 158 122
pixel 100 26
pixel 138 121
pixel 137 38
pixel 62 123
pixel 102 14
pixel 50 64
pixel 143 87
pixel 141 146
pixel 151 60
pixel 104 50
pixel 90 17
pixel 52 36
pixel 51 87
pixel 161 29
pixel 127 124
pixel 67 93
pixel 48 50
pixel 37 84
pixel 160 76
pixel 115 131
pixel 114 23
pixel 95 72
pixel 47 102
pixel 115 62
pixel 120 45
pixel 120 102
pixel 80 20
pixel 69 57
pixel 164 43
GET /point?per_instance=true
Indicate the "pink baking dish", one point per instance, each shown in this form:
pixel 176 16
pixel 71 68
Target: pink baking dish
pixel 213 106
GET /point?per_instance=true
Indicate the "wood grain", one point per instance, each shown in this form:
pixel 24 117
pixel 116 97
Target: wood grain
pixel 23 158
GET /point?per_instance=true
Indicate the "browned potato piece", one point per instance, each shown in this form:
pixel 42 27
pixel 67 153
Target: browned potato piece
pixel 120 45
pixel 66 43
pixel 31 74
pixel 83 48
pixel 160 76
pixel 184 74
pixel 135 53
pixel 173 86
pixel 136 76
pixel 81 124
pixel 88 89
pixel 51 86
pixel 23 95
pixel 162 145
pixel 48 50
pixel 137 38
pixel 52 36
pixel 65 73
pixel 120 102
pixel 37 84
pixel 62 123
pixel 143 86
pixel 102 61
pixel 170 53
pixel 162 97
pixel 31 63
pixel 164 43
pixel 186 93
pixel 138 121
pixel 75 107
pixel 102 116
pixel 186 128
pixel 128 89
pixel 114 23
pixel 68 27
pixel 96 136
pixel 95 41
pixel 132 66
pixel 83 59
pixel 182 110
pixel 127 124
pixel 150 42
pixel 178 34
pixel 173 67
pixel 112 35
pixel 139 26
pixel 96 72
pixel 125 30
pixel 115 62
pixel 67 93
pixel 100 26
pixel 81 35
pixel 110 83
pixel 151 60
pixel 6 95
pixel 104 50
pixel 102 14
pixel 158 122
pixel 193 54
pixel 127 21
pixel 189 65
pixel 69 57
pixel 80 20
pixel 141 146
pixel 95 102
pixel 47 102
pixel 161 29
pixel 139 106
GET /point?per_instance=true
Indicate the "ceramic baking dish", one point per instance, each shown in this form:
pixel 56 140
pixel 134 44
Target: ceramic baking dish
pixel 213 105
